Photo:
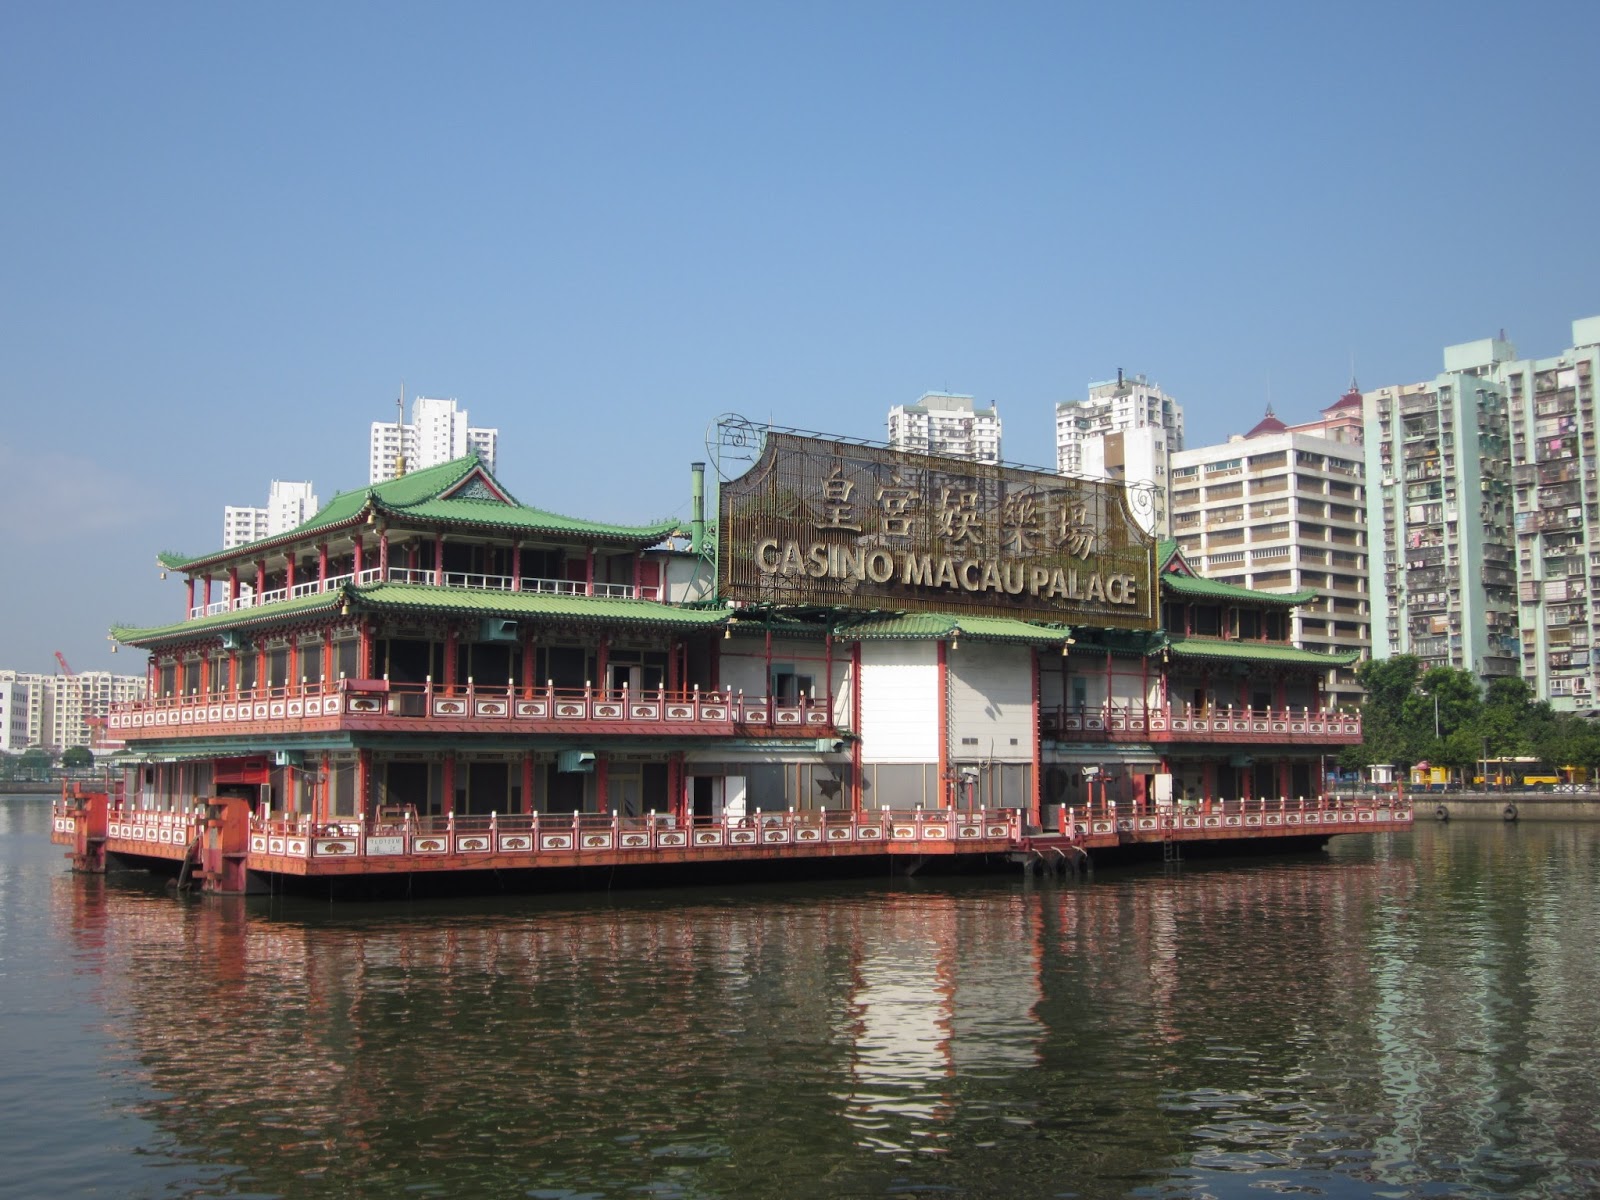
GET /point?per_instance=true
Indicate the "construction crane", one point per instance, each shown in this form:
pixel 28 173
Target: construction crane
pixel 62 659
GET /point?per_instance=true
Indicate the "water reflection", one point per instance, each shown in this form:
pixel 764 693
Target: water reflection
pixel 1410 1018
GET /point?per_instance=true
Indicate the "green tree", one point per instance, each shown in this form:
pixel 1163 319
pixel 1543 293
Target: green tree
pixel 77 756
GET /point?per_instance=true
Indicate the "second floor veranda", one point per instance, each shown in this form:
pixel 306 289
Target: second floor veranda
pixel 358 705
pixel 1165 724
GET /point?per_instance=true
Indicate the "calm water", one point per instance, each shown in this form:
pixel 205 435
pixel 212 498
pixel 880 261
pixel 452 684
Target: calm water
pixel 1405 1017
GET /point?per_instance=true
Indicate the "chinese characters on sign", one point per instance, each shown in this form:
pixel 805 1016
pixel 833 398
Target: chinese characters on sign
pixel 820 522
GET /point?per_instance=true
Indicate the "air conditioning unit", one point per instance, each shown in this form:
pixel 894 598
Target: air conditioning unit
pixel 497 629
pixel 575 762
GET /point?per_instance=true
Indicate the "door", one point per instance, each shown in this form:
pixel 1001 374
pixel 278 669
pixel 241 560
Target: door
pixel 625 792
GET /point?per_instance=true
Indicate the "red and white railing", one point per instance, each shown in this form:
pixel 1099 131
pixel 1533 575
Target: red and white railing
pixel 373 698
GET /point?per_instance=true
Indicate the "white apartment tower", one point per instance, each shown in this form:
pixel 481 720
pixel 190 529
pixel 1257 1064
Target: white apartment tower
pixel 1439 469
pixel 1556 498
pixel 1278 510
pixel 288 504
pixel 947 424
pixel 15 695
pixel 1127 429
pixel 437 432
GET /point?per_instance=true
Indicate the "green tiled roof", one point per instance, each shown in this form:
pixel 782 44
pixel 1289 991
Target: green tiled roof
pixel 1182 584
pixel 421 598
pixel 1212 589
pixel 944 625
pixel 1268 652
pixel 133 635
pixel 420 497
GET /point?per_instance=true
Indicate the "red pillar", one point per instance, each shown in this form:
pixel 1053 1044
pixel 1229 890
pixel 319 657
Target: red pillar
pixel 450 661
pixel 1036 801
pixel 588 573
pixel 364 807
pixel 233 587
pixel 438 560
pixel 288 573
pixel 944 719
pixel 261 578
pixel 528 662
pixel 188 608
pixel 516 566
pixel 383 556
pixel 322 566
pixel 857 791
pixel 207 600
pixel 359 565
pixel 638 572
pixel 364 650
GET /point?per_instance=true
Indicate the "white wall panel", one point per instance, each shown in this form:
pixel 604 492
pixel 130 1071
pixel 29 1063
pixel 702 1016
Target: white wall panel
pixel 899 702
pixel 991 703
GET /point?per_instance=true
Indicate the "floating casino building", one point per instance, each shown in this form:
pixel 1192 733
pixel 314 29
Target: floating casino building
pixel 872 651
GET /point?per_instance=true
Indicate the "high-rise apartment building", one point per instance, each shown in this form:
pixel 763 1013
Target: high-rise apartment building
pixel 1438 458
pixel 437 432
pixel 15 695
pixel 1551 403
pixel 54 711
pixel 288 504
pixel 1284 511
pixel 75 699
pixel 947 424
pixel 1127 429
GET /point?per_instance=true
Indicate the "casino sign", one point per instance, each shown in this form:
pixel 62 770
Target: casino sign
pixel 819 522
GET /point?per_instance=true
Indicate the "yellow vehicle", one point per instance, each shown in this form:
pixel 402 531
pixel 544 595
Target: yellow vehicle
pixel 1526 772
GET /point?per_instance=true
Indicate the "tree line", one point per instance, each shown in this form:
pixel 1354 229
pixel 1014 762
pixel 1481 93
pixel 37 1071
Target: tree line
pixel 1443 717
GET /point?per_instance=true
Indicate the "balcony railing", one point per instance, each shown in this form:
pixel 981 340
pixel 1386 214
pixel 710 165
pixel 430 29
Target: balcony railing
pixel 1183 723
pixel 428 578
pixel 358 703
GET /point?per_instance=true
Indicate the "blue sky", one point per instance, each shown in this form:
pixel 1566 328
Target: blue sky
pixel 229 233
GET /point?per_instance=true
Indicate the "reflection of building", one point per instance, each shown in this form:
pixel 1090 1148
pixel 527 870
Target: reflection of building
pixel 946 424
pixel 1125 430
pixel 437 432
pixel 1279 510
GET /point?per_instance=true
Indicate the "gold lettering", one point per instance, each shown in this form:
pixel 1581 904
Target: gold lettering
pixel 793 564
pixel 767 555
pixel 880 566
pixel 1097 588
pixel 947 574
pixel 817 560
pixel 1058 585
pixel 1015 577
pixel 918 570
pixel 1038 577
pixel 991 577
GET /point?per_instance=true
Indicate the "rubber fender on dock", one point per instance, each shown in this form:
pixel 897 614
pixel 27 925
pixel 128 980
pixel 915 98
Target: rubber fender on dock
pixel 1441 813
pixel 1509 813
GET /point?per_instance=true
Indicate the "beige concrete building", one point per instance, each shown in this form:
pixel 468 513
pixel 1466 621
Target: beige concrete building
pixel 1281 511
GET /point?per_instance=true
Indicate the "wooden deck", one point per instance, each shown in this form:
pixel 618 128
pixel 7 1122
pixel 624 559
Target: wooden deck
pixel 229 849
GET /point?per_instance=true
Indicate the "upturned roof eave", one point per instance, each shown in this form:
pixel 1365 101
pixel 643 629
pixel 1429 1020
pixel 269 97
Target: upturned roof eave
pixel 640 536
pixel 250 550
